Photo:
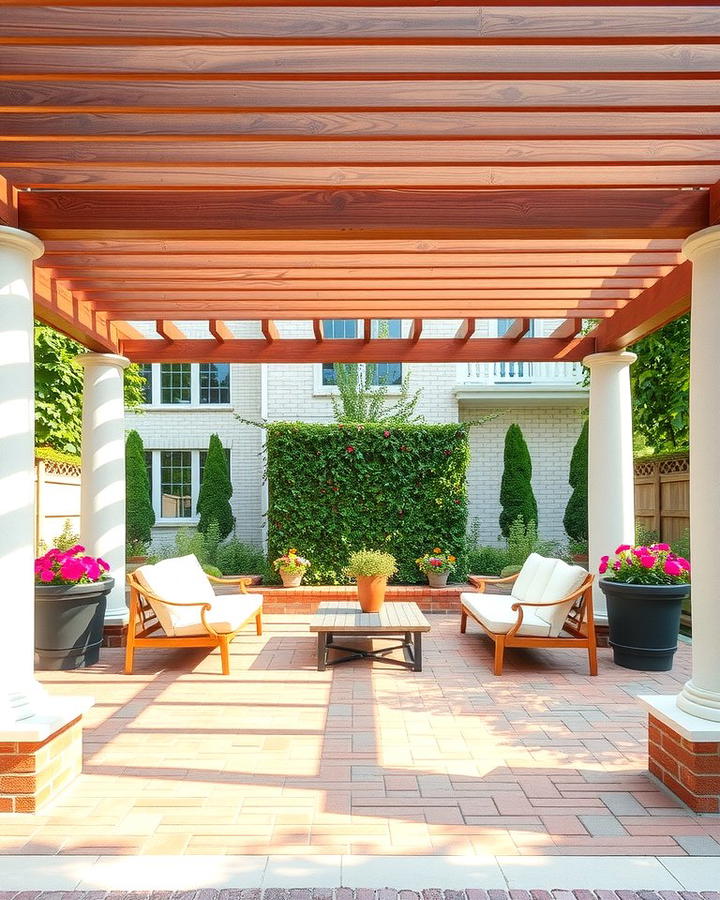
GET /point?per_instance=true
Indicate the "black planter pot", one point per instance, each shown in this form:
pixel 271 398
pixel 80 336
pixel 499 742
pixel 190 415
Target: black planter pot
pixel 69 624
pixel 644 622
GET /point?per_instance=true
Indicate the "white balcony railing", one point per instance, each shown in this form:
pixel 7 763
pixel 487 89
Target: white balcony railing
pixel 547 373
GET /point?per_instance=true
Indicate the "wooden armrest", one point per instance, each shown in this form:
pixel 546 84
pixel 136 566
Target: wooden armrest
pixel 572 596
pixel 242 582
pixel 479 581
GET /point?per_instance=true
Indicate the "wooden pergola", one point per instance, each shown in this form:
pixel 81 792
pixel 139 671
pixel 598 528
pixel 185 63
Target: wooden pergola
pixel 273 161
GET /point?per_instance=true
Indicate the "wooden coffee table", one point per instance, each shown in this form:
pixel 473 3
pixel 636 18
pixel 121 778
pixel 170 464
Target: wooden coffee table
pixel 337 617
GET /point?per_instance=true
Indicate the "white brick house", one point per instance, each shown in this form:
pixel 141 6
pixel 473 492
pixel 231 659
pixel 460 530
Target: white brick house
pixel 188 402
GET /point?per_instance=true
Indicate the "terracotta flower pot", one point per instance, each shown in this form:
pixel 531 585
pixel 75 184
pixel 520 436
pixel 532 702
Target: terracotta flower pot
pixel 291 579
pixel 437 579
pixel 371 592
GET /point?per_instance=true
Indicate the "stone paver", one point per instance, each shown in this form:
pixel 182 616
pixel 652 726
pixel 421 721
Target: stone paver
pixel 363 759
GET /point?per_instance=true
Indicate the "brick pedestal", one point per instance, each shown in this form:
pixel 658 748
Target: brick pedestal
pixel 114 635
pixel 691 770
pixel 31 774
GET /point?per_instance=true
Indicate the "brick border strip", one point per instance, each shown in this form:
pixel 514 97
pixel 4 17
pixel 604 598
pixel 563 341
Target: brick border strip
pixel 358 894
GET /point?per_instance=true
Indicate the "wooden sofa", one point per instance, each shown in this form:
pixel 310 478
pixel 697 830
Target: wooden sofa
pixel 550 605
pixel 172 604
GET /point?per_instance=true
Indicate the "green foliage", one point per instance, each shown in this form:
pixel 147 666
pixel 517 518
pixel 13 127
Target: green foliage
pixel 523 540
pixel 64 541
pixel 576 511
pixel 215 491
pixel 371 563
pixel 48 454
pixel 237 558
pixel 360 400
pixel 660 382
pixel 334 489
pixel 681 545
pixel 58 390
pixel 516 493
pixel 139 514
pixel 487 560
pixel 645 536
pixel 212 570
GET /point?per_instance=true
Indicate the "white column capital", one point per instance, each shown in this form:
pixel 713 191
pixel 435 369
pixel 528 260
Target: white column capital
pixel 617 358
pixel 702 241
pixel 16 239
pixel 90 359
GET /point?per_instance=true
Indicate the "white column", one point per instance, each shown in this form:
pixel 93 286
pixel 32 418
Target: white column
pixel 701 695
pixel 102 498
pixel 611 493
pixel 26 711
pixel 19 692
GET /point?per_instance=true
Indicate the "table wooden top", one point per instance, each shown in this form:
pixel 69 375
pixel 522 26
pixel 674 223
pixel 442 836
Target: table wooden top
pixel 342 616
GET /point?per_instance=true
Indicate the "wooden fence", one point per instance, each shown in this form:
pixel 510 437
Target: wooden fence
pixel 662 495
pixel 57 499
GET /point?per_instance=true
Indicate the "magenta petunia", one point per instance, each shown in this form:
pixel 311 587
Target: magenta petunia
pixel 602 569
pixel 72 570
pixel 660 547
pixel 647 562
pixel 47 575
pixel 683 563
pixel 672 567
pixel 622 548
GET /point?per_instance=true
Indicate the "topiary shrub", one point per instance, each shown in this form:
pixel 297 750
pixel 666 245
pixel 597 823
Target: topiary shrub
pixel 213 503
pixel 335 489
pixel 575 519
pixel 516 493
pixel 139 513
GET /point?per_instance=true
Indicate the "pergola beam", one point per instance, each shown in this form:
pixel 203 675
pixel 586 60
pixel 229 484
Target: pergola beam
pixel 219 330
pixel 568 328
pixel 342 214
pixel 517 329
pixel 350 351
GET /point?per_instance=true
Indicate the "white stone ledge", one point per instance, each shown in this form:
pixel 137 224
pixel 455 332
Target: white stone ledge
pixel 664 707
pixel 57 712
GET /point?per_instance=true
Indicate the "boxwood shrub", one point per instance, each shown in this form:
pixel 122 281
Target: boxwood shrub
pixel 338 488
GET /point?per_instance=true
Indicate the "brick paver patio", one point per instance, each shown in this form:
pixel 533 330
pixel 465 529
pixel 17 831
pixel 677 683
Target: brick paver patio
pixel 365 759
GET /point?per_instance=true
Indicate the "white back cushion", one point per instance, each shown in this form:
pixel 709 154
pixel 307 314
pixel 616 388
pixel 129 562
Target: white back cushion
pixel 180 580
pixel 541 577
pixel 563 581
pixel 526 575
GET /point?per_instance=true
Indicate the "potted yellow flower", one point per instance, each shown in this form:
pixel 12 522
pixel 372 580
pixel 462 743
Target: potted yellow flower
pixel 437 566
pixel 291 567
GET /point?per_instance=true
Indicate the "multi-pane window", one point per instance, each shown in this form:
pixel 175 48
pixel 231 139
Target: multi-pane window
pixel 146 373
pixel 186 384
pixel 214 383
pixel 380 373
pixel 175 383
pixel 176 484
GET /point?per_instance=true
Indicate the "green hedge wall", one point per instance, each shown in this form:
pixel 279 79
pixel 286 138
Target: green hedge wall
pixel 334 489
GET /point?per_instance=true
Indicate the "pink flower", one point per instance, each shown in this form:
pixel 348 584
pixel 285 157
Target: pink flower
pixel 641 551
pixel 660 547
pixel 671 567
pixel 386 434
pixel 435 562
pixel 622 548
pixel 72 570
pixel 617 565
pixel 647 562
pixel 47 575
pixel 78 548
pixel 350 449
pixel 602 569
pixel 604 559
pixel 103 565
pixel 92 569
pixel 683 563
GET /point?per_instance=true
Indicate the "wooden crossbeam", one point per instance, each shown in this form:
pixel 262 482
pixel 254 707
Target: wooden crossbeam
pixel 416 330
pixel 367 329
pixel 517 329
pixel 220 214
pixel 667 299
pixel 357 350
pixel 168 331
pixel 57 306
pixel 466 330
pixel 269 330
pixel 318 329
pixel 568 328
pixel 219 330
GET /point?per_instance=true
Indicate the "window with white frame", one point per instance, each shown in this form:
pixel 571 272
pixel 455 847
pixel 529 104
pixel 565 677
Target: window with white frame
pixel 186 384
pixel 382 373
pixel 175 479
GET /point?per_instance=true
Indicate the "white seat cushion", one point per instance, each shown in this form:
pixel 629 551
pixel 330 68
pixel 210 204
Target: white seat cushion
pixel 227 614
pixel 495 612
pixel 179 580
pixel 563 581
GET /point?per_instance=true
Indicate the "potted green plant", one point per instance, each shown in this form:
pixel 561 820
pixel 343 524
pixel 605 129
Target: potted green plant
pixel 371 570
pixel 291 567
pixel 437 566
pixel 645 587
pixel 70 596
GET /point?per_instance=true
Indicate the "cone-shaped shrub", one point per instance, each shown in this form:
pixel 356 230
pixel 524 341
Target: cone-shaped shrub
pixel 215 491
pixel 516 493
pixel 139 515
pixel 576 512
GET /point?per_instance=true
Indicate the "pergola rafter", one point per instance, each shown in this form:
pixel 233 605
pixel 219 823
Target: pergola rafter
pixel 284 160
